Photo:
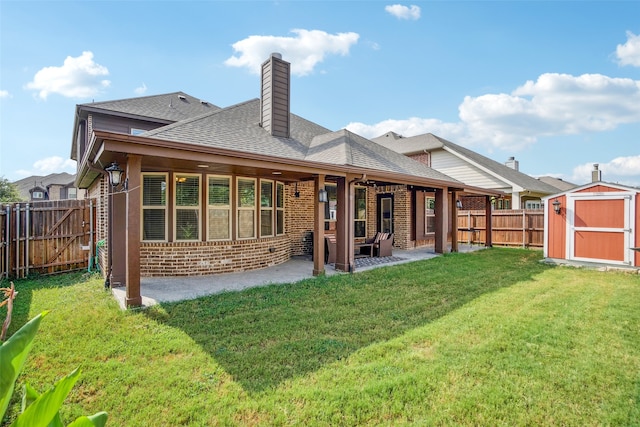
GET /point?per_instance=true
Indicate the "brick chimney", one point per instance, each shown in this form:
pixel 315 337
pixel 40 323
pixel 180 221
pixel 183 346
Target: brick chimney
pixel 275 96
pixel 512 163
pixel 596 174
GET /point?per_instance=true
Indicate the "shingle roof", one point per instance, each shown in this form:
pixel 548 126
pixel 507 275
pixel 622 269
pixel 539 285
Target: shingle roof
pixel 430 142
pixel 346 148
pixel 170 106
pixel 237 128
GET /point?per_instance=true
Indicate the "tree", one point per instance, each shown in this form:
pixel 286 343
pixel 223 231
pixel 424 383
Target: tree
pixel 8 191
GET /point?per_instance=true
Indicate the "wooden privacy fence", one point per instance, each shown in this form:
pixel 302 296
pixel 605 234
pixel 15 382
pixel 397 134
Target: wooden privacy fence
pixel 46 237
pixel 522 227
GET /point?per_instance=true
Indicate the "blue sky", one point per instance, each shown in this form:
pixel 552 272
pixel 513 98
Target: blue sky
pixel 555 84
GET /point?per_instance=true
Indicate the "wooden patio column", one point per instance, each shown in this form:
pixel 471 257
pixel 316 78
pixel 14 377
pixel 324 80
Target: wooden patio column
pixel 442 220
pixel 454 221
pixel 318 228
pixel 134 169
pixel 488 242
pixel 344 225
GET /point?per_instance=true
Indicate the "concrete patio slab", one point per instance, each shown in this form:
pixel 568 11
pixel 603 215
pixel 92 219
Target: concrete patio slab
pixel 156 290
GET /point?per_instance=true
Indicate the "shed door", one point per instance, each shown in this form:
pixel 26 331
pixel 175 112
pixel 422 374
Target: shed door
pixel 600 227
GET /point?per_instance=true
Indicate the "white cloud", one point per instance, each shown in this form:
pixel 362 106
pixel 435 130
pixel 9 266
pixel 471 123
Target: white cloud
pixel 629 53
pixel 555 104
pixel 78 77
pixel 141 90
pixel 404 12
pixel 408 127
pixel 4 94
pixel 54 164
pixel 623 170
pixel 304 51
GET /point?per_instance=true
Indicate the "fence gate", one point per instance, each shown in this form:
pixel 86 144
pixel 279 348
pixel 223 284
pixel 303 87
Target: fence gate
pixel 47 237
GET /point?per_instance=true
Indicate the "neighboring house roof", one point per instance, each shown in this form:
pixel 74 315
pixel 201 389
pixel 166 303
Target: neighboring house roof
pixel 161 109
pixel 170 107
pixel 429 142
pixel 558 183
pixel 237 128
pixel 36 181
pixel 581 188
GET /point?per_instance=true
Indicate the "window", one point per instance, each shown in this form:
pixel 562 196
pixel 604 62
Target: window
pixel 37 195
pixel 331 207
pixel 360 214
pixel 266 208
pixel 533 204
pixel 219 208
pixel 279 208
pixel 72 193
pixel 429 215
pixel 246 204
pixel 135 131
pixel 154 207
pixel 187 207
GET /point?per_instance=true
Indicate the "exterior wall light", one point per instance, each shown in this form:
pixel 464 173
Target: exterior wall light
pixel 459 204
pixel 322 196
pixel 115 174
pixel 556 206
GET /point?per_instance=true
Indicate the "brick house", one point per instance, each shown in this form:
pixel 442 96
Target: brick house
pixel 521 191
pixel 213 190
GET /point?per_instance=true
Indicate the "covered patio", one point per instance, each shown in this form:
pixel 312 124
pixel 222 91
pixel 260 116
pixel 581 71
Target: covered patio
pixel 156 290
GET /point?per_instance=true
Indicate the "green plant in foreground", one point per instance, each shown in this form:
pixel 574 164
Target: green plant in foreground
pixel 37 409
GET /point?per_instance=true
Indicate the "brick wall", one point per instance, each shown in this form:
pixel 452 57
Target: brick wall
pixel 402 215
pixel 98 191
pixel 299 217
pixel 202 258
pixel 422 158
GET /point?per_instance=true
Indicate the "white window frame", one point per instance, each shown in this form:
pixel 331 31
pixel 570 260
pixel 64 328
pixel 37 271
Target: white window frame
pixel 176 208
pixel 165 208
pixel 355 211
pixel 246 208
pixel 280 209
pixel 271 208
pixel 227 208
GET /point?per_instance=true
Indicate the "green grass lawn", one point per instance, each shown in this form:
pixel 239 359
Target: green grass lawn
pixel 492 337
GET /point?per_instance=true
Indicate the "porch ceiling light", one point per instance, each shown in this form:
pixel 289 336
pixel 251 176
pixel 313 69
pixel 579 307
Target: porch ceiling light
pixel 556 206
pixel 322 196
pixel 115 174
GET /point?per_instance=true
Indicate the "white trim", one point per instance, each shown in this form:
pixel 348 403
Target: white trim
pixel 228 207
pixel 255 207
pixel 155 207
pixel 628 228
pixel 197 209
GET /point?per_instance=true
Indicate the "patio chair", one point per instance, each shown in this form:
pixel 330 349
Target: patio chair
pixel 382 245
pixel 330 249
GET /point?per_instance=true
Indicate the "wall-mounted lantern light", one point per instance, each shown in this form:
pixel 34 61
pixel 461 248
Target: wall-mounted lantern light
pixel 459 204
pixel 556 206
pixel 115 174
pixel 322 196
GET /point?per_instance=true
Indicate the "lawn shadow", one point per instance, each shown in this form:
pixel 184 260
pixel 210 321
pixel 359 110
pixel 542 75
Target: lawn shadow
pixel 264 336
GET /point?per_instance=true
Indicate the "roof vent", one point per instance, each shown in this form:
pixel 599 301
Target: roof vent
pixel 184 98
pixel 203 102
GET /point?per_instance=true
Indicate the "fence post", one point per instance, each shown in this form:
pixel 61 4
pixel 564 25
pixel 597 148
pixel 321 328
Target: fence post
pixel 91 256
pixel 524 229
pixel 26 239
pixel 17 209
pixel 7 236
